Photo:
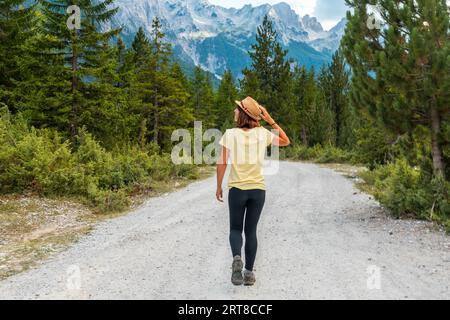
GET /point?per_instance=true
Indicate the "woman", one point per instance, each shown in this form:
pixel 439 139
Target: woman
pixel 249 140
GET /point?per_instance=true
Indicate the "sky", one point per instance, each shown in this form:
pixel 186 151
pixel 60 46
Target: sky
pixel 328 12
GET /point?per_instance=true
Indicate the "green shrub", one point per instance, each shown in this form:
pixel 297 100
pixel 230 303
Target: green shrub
pixel 371 146
pixel 185 171
pixel 399 191
pixel 439 196
pixel 332 154
pixel 32 160
pixel 317 153
pixel 295 152
pixel 40 161
pixel 409 191
pixel 107 200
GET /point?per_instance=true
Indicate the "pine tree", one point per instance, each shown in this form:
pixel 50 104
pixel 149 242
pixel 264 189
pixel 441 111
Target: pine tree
pixel 140 91
pixel 161 52
pixel 305 92
pixel 311 115
pixel 108 117
pixel 324 114
pixel 269 80
pixel 63 91
pixel 282 83
pixel 159 88
pixel 140 48
pixel 334 82
pixel 123 66
pixel 225 101
pixel 179 114
pixel 16 26
pixel 252 86
pixel 44 95
pixel 400 72
pixel 133 74
pixel 202 99
pixel 177 72
pixel 262 55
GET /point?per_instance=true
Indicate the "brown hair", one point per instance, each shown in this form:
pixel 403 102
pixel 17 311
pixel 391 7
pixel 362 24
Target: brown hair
pixel 245 121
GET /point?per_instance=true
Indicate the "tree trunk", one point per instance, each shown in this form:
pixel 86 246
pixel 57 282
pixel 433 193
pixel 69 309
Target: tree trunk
pixel 156 118
pixel 304 137
pixel 155 104
pixel 156 128
pixel 338 127
pixel 142 133
pixel 74 112
pixel 436 148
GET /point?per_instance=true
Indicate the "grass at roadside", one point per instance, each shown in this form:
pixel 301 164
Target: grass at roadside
pixel 52 190
pixel 34 228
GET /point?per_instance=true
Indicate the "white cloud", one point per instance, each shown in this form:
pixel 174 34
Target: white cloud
pixel 302 7
pixel 328 12
pixel 330 9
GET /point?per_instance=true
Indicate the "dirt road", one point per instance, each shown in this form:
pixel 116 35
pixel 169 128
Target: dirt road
pixel 319 237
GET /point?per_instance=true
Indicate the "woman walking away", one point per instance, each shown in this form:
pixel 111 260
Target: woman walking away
pixel 246 146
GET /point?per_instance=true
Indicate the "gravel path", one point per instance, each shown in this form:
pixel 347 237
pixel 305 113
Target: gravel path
pixel 319 237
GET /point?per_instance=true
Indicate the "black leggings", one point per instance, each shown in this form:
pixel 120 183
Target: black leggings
pixel 239 200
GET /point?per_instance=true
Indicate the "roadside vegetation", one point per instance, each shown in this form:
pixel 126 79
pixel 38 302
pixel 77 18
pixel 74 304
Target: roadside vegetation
pixel 87 118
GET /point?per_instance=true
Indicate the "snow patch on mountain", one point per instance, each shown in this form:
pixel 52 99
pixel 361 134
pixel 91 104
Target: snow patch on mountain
pixel 330 40
pixel 189 23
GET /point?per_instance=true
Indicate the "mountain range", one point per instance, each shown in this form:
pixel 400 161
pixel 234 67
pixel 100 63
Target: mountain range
pixel 218 38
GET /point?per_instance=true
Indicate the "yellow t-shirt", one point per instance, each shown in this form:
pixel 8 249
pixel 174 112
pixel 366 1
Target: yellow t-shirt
pixel 246 155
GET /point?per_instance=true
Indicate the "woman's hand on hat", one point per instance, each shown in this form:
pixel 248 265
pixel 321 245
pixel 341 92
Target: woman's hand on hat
pixel 265 115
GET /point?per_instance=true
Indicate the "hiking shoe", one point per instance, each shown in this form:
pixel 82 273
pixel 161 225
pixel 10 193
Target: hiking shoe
pixel 249 278
pixel 236 273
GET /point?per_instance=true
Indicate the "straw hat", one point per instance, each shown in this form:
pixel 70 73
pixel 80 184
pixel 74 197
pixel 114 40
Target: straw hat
pixel 251 107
